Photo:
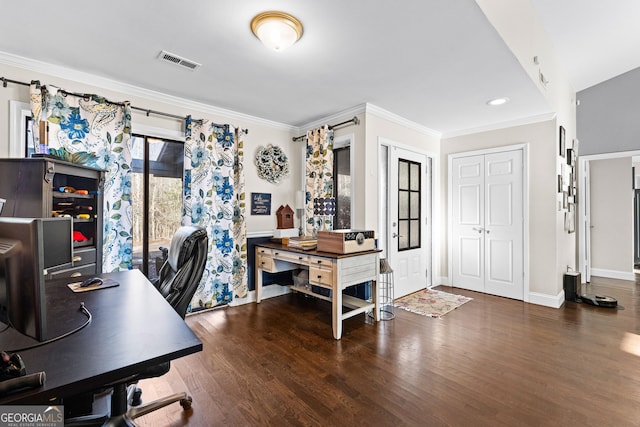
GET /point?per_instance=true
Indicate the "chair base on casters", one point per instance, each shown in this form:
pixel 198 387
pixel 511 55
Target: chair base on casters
pixel 117 412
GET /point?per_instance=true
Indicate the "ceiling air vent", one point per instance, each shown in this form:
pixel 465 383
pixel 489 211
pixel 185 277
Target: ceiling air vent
pixel 178 60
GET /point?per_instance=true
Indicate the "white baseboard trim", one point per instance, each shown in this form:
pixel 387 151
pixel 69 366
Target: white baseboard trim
pixel 546 299
pixel 613 274
pixel 268 291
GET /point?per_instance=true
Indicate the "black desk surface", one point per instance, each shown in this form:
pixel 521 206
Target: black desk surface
pixel 133 327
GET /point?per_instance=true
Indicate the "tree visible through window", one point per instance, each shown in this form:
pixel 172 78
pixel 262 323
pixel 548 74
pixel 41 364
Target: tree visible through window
pixel 157 199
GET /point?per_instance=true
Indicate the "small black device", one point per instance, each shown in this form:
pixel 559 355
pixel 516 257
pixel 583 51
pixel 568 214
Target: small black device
pixel 571 284
pixel 599 300
pixel 91 281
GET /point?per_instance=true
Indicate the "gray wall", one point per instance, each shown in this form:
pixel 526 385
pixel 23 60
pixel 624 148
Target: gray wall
pixel 608 117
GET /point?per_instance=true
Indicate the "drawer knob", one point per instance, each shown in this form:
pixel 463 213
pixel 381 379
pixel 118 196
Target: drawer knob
pixel 319 276
pixel 77 258
pixel 76 274
pixel 300 258
pixel 319 261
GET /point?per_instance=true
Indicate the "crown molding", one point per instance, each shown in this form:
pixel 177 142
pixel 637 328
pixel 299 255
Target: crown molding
pixel 501 125
pixel 337 117
pixel 392 117
pixel 131 90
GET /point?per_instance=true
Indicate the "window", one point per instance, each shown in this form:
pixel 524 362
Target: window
pixel 157 166
pixel 408 205
pixel 342 182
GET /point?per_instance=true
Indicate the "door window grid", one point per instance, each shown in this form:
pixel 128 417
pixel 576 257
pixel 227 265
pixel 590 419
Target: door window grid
pixel 409 196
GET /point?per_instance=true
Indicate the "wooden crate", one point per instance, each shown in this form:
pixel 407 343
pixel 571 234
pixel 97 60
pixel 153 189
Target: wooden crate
pixel 345 241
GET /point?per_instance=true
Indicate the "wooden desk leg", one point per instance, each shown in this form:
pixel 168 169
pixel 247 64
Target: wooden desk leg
pixel 258 284
pixel 336 312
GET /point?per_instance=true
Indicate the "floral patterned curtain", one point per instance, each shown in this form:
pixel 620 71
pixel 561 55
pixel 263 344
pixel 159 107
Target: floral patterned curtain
pixel 319 177
pixel 95 132
pixel 213 200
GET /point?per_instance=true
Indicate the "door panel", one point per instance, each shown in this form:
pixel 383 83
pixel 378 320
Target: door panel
pixel 504 227
pixel 467 218
pixel 487 226
pixel 409 245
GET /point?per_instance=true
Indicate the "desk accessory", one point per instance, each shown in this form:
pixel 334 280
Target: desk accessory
pixel 106 283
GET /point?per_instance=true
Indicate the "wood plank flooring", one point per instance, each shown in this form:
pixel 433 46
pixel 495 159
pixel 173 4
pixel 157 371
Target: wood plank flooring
pixel 491 362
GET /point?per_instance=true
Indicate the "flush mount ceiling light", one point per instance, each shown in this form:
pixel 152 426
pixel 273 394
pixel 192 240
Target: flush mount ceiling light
pixel 277 30
pixel 498 101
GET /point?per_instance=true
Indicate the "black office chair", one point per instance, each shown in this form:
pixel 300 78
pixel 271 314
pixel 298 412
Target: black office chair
pixel 177 282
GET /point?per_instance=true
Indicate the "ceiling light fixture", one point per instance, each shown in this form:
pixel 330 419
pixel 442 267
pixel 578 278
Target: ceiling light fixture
pixel 276 30
pixel 498 101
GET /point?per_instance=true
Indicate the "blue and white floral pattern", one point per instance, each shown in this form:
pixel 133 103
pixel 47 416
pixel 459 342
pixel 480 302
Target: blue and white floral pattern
pixel 210 174
pixel 93 125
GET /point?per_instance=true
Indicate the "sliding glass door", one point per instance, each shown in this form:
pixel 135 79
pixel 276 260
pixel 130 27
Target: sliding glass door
pixel 157 199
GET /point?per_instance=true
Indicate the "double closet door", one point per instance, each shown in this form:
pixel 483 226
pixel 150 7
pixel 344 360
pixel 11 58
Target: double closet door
pixel 487 223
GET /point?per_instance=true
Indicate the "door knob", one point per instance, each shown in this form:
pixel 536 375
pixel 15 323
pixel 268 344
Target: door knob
pixel 394 235
pixel 478 229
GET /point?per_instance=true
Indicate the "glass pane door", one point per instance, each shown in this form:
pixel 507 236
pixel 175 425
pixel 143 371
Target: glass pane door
pixel 157 200
pixel 409 196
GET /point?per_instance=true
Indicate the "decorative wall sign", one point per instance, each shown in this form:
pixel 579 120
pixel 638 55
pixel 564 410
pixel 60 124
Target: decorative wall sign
pixel 260 203
pixel 562 142
pixel 272 163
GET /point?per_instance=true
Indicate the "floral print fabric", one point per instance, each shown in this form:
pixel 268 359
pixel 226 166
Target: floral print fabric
pixel 319 177
pixel 99 132
pixel 210 200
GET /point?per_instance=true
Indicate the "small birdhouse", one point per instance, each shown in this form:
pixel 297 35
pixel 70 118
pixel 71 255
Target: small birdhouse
pixel 284 215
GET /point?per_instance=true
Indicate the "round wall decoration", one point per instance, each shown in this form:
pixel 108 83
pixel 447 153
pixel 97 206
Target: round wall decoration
pixel 272 163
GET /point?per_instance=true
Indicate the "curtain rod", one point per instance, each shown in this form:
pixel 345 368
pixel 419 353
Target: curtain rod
pixel 144 110
pixel 355 120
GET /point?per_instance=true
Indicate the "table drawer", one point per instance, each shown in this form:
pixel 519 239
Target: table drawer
pixel 266 263
pixel 321 262
pixel 263 252
pixel 84 256
pixel 320 276
pixel 83 270
pixel 291 257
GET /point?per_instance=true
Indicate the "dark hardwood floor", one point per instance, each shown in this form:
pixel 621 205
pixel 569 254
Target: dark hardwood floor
pixel 491 362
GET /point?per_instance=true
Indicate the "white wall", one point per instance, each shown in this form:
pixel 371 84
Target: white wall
pixel 611 217
pixel 261 132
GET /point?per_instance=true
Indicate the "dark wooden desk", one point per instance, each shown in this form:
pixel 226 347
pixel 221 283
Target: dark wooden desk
pixel 133 327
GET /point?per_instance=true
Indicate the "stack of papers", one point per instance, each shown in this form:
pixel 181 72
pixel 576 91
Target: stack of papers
pixel 303 242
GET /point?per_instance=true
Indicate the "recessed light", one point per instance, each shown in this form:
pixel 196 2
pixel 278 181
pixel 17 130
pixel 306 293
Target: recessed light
pixel 498 101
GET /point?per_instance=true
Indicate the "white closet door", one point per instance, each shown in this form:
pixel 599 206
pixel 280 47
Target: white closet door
pixel 503 228
pixel 487 224
pixel 468 222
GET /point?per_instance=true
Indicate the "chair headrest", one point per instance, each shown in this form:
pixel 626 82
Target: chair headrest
pixel 182 243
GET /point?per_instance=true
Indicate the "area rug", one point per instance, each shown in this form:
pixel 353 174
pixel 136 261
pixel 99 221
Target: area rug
pixel 430 302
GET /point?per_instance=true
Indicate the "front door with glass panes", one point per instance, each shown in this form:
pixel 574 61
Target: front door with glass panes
pixel 157 166
pixel 409 243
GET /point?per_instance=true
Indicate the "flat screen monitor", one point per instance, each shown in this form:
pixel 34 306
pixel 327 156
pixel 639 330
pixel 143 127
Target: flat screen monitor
pixel 28 247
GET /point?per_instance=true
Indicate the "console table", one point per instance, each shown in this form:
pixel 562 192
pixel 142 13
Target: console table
pixel 335 272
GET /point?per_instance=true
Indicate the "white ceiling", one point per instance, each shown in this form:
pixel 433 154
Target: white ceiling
pixel 434 62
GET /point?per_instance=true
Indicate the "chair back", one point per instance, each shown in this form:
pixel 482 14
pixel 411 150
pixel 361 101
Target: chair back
pixel 181 272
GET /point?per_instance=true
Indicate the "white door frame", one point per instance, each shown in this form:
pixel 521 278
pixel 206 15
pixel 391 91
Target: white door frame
pixel 584 208
pixel 525 207
pixel 435 194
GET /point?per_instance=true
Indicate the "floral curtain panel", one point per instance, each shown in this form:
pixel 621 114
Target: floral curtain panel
pixel 93 131
pixel 213 159
pixel 319 177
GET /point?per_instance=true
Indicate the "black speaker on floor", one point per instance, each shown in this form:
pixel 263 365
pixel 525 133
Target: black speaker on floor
pixel 571 283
